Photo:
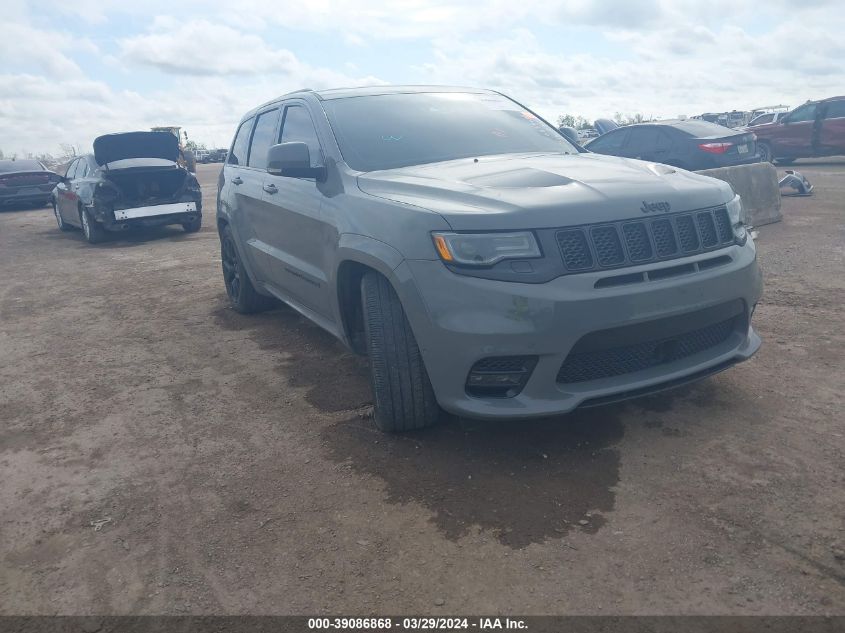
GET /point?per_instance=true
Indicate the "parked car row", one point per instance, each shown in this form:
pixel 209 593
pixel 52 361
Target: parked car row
pixel 815 129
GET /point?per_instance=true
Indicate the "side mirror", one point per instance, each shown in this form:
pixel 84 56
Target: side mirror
pixel 293 160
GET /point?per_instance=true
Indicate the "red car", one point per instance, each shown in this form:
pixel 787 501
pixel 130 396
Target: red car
pixel 816 128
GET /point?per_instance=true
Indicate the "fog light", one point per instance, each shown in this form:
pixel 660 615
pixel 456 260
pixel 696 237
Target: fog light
pixel 500 376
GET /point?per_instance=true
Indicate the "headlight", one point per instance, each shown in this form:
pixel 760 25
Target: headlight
pixel 737 216
pixel 485 249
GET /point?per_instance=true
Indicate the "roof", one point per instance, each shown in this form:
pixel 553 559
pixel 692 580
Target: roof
pixel 369 91
pixel 364 91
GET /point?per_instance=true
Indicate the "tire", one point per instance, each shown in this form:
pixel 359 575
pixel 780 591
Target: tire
pixel 239 288
pixel 404 399
pixel 765 153
pixel 91 229
pixel 193 225
pixel 63 226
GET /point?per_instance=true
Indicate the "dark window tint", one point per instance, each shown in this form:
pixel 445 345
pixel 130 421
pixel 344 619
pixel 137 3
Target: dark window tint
pixel 610 143
pixel 804 113
pixel 702 129
pixel 298 126
pixel 237 156
pixel 835 110
pixel 262 138
pixel 640 140
pixel 664 141
pixel 396 130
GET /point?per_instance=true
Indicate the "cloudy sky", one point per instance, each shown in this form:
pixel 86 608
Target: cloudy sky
pixel 73 70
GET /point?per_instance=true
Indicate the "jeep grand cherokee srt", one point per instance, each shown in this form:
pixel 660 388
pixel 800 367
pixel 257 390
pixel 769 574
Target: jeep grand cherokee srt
pixel 482 262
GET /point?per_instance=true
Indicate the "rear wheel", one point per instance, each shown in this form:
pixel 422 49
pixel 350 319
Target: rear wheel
pixel 765 150
pixel 242 293
pixel 193 225
pixel 92 229
pixel 404 399
pixel 63 226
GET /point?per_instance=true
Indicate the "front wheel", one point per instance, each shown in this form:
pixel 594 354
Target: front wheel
pixel 404 399
pixel 93 230
pixel 63 226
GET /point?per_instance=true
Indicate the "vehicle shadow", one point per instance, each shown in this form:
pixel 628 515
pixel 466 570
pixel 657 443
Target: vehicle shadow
pixel 519 481
pixel 124 239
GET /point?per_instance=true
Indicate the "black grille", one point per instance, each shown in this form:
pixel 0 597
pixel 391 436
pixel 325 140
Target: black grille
pixel 504 364
pixel 575 250
pixel 636 239
pixel 664 238
pixel 723 225
pixel 608 247
pixel 628 243
pixel 687 234
pixel 651 239
pixel 707 229
pixel 626 359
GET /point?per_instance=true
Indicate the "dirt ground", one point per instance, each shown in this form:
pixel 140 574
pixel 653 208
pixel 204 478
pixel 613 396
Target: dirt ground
pixel 160 453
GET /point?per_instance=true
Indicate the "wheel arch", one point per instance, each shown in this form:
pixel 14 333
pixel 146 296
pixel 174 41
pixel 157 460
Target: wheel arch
pixel 357 255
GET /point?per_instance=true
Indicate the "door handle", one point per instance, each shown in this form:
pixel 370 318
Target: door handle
pixel 271 188
pixel 237 180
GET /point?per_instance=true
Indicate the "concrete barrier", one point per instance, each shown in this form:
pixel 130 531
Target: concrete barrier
pixel 757 185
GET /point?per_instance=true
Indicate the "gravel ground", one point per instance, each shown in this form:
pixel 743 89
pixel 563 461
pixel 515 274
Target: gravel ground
pixel 160 453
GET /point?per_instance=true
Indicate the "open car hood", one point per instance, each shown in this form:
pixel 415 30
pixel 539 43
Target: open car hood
pixel 112 147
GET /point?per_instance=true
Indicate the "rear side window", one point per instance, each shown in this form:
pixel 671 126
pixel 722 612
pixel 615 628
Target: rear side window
pixel 641 139
pixel 262 138
pixel 609 143
pixel 298 126
pixel 835 110
pixel 804 113
pixel 241 145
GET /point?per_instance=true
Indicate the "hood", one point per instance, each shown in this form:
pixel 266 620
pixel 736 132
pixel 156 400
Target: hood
pixel 543 191
pixel 112 147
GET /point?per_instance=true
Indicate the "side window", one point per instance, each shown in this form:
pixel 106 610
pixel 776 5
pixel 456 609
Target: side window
pixel 298 126
pixel 237 156
pixel 835 110
pixel 71 170
pixel 641 140
pixel 82 169
pixel 262 138
pixel 804 113
pixel 609 143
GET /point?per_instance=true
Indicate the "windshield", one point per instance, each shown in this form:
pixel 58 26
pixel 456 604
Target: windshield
pixel 397 130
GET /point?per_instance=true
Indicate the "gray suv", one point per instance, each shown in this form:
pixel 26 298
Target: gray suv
pixel 485 265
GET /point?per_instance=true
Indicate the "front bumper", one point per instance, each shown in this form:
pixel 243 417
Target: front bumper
pixel 460 320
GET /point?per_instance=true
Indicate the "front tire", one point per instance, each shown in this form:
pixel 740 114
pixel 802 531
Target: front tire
pixel 242 293
pixel 404 399
pixel 63 226
pixel 91 229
